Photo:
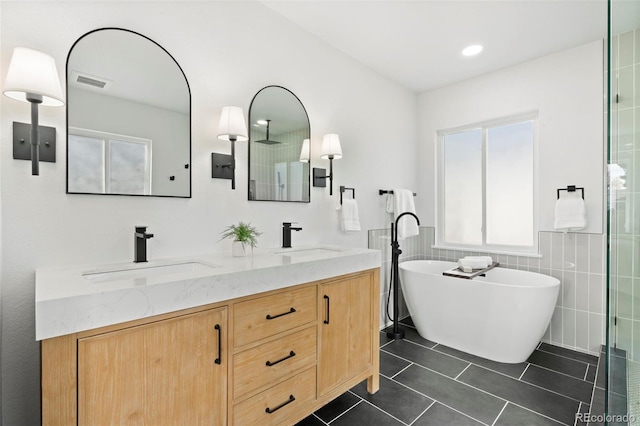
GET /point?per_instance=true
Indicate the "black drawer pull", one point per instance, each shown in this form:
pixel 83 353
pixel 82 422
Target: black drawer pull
pixel 219 329
pixel 328 301
pixel 291 355
pixel 292 310
pixel 289 401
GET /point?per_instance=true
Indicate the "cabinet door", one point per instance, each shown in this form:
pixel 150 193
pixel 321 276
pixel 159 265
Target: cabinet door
pixel 165 373
pixel 346 330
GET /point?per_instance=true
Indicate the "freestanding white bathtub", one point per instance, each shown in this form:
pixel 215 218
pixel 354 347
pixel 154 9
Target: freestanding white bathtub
pixel 501 316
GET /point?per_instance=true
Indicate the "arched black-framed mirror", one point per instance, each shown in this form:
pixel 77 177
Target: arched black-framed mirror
pixel 128 117
pixel 279 146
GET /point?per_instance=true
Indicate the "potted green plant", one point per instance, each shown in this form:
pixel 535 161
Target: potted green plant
pixel 243 234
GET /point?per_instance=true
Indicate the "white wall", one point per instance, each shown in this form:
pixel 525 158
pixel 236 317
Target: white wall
pixel 567 91
pixel 218 45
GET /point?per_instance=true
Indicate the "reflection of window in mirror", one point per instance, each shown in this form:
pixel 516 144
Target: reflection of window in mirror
pixel 486 186
pixel 108 164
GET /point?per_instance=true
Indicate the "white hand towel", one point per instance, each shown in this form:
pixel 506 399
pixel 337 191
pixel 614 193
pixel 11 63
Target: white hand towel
pixel 403 202
pixel 350 217
pixel 571 213
pixel 390 203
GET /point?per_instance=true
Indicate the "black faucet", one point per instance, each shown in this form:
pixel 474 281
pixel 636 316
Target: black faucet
pixel 140 244
pixel 286 234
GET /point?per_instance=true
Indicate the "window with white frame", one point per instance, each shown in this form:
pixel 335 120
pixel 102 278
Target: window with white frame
pixel 107 163
pixel 486 186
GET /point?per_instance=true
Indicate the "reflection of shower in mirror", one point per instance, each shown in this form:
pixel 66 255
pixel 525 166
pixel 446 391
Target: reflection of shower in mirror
pixel 281 181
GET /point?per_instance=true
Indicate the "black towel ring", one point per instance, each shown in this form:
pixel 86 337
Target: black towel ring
pixel 570 188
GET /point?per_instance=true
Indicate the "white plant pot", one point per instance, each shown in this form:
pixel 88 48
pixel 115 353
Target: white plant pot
pixel 239 249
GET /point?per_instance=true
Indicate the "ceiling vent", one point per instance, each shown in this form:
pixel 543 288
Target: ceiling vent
pixel 90 80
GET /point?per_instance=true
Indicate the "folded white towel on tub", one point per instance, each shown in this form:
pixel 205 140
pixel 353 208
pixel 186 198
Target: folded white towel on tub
pixel 474 262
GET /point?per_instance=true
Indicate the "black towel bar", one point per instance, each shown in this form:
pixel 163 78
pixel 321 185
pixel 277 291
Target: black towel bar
pixel 570 188
pixel 389 191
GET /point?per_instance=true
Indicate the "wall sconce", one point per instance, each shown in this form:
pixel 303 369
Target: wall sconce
pixel 330 150
pixel 232 128
pixel 305 152
pixel 32 77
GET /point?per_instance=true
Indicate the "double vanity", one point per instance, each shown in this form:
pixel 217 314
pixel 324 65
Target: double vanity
pixel 215 340
pixel 207 340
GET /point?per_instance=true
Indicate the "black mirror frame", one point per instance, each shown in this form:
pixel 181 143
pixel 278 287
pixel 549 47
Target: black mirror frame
pixel 249 146
pixel 188 166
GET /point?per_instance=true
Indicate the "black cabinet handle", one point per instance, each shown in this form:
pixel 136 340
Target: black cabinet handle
pixel 219 330
pixel 291 355
pixel 289 401
pixel 328 302
pixel 292 310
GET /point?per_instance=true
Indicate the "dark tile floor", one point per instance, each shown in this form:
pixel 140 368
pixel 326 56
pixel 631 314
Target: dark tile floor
pixel 424 383
pixel 618 388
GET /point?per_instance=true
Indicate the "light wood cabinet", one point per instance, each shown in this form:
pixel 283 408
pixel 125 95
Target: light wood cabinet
pixel 168 372
pixel 266 359
pixel 349 314
pixel 274 357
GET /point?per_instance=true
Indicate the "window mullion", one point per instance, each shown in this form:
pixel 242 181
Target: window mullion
pixel 107 168
pixel 484 185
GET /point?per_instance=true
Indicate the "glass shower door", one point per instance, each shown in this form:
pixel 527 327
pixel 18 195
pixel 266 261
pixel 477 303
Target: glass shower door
pixel 622 397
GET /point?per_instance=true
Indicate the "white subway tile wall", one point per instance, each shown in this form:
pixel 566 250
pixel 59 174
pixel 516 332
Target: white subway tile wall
pixel 577 260
pixel 264 159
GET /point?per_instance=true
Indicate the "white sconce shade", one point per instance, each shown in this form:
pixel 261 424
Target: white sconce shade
pixel 232 125
pixel 305 151
pixel 33 72
pixel 331 147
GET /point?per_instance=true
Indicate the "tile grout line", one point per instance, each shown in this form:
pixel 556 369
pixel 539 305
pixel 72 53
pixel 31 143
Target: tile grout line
pixel 322 421
pixel 586 373
pixel 558 372
pixel 442 403
pixel 489 369
pixel 540 414
pixel 424 411
pixel 526 383
pixel 346 411
pixel 380 409
pixel 464 360
pixel 567 357
pixel 460 374
pixel 479 390
pixel 410 364
pixel 525 370
pixel 575 422
pixel 500 413
pixel 394 378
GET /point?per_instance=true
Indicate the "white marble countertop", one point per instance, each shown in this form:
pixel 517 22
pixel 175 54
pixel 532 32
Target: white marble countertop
pixel 70 299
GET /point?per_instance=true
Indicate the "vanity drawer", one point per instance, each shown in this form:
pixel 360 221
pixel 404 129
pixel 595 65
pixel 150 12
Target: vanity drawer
pixel 276 405
pixel 263 317
pixel 272 361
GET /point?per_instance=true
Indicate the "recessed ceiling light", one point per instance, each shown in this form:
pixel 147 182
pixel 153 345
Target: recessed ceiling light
pixel 262 122
pixel 472 50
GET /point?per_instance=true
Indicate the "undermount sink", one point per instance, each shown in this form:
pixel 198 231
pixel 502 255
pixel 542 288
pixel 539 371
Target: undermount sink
pixel 137 271
pixel 309 252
